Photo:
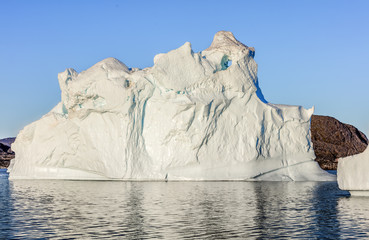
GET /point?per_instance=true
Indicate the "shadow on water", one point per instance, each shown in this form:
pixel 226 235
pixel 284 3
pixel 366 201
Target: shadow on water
pixel 353 214
pixel 215 216
pixel 281 209
pixel 135 217
pixel 326 197
pixel 298 209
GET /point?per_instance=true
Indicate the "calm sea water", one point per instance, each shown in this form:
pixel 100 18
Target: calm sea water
pixel 179 210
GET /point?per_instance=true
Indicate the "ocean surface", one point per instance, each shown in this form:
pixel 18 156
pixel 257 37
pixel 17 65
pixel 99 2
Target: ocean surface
pixel 43 209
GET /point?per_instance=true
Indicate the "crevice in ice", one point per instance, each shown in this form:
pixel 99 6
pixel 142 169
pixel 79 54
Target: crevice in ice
pixel 212 126
pixel 127 83
pixel 65 110
pixel 191 120
pixel 225 62
pixel 208 109
pixel 143 115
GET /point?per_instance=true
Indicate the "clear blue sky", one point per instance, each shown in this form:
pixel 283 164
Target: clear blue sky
pixel 310 53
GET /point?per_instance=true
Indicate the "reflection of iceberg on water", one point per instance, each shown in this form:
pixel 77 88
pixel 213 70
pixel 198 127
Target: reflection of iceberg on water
pixel 353 173
pixel 353 217
pixel 192 116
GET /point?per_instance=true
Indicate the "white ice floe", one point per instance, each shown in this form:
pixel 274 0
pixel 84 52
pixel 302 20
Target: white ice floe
pixel 353 173
pixel 192 116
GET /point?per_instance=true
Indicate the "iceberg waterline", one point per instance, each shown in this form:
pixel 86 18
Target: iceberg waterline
pixel 192 116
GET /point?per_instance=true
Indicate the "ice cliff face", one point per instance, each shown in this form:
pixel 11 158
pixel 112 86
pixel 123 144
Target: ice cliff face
pixel 192 116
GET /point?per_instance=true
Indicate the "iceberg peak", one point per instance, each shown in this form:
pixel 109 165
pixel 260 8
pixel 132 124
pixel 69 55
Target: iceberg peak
pixel 224 39
pixel 110 64
pixel 226 42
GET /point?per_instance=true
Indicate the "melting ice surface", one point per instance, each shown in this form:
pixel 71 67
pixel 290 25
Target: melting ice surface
pixel 56 209
pixel 192 116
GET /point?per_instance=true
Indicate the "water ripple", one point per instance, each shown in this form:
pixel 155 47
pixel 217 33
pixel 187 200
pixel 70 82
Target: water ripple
pixel 179 210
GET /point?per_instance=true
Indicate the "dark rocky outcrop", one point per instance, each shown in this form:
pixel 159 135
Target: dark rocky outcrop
pixel 7 141
pixel 333 139
pixel 6 153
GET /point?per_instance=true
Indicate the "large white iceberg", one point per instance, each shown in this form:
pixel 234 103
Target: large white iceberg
pixel 353 173
pixel 192 116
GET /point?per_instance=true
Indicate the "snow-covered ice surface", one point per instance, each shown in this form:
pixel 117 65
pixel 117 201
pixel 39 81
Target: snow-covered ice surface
pixel 353 173
pixel 192 116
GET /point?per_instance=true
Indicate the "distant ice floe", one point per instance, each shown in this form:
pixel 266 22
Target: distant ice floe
pixel 352 173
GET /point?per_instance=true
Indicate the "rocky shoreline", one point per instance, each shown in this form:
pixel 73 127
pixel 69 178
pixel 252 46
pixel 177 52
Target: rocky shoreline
pixel 331 139
pixel 6 153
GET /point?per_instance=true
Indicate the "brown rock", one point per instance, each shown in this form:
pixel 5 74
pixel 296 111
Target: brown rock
pixel 333 139
pixel 6 154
